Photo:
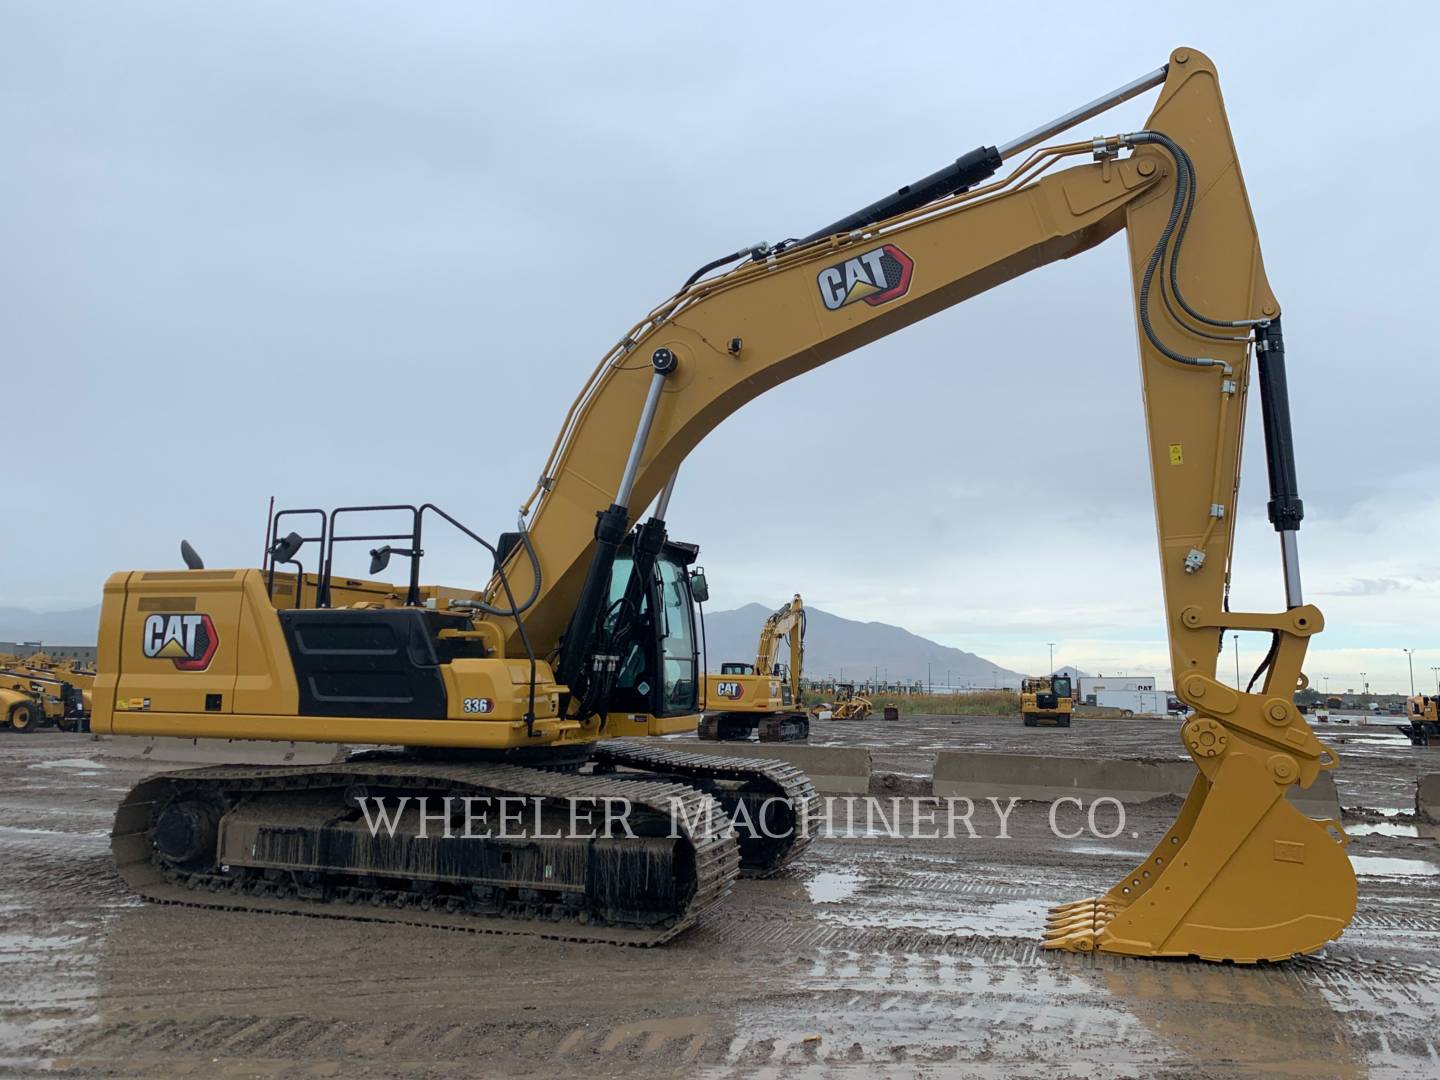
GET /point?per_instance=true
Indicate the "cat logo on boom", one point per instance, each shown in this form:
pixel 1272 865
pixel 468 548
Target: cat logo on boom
pixel 188 640
pixel 876 276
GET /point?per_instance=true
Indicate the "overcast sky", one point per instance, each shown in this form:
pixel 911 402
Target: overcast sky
pixel 358 252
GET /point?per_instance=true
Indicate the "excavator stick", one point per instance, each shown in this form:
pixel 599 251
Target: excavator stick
pixel 1242 875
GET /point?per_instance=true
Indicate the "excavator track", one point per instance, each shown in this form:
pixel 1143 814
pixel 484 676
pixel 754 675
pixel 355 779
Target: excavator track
pixel 785 727
pixel 771 836
pixel 289 839
pixel 738 727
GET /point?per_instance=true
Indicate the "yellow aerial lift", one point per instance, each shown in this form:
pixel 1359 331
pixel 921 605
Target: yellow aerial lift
pixel 22 709
pixel 1046 697
pixel 763 697
pixel 63 688
pixel 586 629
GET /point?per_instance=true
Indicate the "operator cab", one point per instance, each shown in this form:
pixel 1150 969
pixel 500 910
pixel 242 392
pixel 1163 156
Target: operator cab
pixel 657 672
pixel 734 667
pixel 1060 685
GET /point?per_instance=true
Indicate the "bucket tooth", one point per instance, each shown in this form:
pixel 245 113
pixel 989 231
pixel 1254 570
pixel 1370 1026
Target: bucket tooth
pixel 1075 922
pixel 1062 910
pixel 1078 941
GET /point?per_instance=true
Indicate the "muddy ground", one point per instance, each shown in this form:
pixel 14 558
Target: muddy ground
pixel 871 956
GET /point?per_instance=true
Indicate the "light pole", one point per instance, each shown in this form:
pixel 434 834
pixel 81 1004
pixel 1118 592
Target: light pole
pixel 1052 656
pixel 929 686
pixel 1327 685
pixel 1434 670
pixel 1410 655
pixel 1236 639
pixel 1364 686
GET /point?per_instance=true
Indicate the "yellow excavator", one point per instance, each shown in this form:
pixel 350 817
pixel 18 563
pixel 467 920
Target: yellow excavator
pixel 764 697
pixel 585 630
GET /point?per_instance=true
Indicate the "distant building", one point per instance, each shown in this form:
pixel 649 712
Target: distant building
pixel 85 654
pixel 1090 685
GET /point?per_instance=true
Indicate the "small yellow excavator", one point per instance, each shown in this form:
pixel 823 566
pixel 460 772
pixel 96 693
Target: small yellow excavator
pixel 1046 697
pixel 585 631
pixel 764 697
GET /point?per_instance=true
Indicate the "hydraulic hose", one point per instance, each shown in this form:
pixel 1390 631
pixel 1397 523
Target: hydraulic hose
pixel 513 612
pixel 1183 187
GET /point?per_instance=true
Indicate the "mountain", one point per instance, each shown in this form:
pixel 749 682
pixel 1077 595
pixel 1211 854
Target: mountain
pixel 838 647
pixel 833 645
pixel 57 627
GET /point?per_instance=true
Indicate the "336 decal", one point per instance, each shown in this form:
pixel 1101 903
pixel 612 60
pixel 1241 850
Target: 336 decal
pixel 189 640
pixel 876 276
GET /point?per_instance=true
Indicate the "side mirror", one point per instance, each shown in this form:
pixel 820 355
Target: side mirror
pixel 379 559
pixel 191 556
pixel 699 588
pixel 286 547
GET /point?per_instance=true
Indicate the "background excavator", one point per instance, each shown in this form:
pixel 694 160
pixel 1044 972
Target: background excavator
pixel 763 697
pixel 585 631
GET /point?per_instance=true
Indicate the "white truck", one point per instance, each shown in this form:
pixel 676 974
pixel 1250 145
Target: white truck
pixel 1135 702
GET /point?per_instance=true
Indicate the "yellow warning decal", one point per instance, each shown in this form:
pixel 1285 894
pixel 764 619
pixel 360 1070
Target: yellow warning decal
pixel 1177 454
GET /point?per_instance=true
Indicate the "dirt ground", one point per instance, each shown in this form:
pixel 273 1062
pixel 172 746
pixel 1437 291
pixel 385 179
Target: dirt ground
pixel 870 956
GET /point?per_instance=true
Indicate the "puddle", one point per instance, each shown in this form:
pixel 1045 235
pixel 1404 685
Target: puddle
pixel 68 763
pixel 830 888
pixel 1006 919
pixel 1390 828
pixel 20 830
pixel 32 942
pixel 1106 849
pixel 1383 866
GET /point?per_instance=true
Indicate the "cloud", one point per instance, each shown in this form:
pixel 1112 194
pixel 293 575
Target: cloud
pixel 344 254
pixel 1368 587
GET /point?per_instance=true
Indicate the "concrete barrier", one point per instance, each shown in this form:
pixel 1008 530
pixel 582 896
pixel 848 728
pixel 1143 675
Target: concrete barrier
pixel 171 751
pixel 834 770
pixel 977 774
pixel 1427 798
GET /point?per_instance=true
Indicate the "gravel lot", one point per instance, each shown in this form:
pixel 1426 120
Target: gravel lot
pixel 897 957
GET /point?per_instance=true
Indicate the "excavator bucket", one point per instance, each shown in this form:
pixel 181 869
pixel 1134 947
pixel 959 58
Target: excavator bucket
pixel 1241 876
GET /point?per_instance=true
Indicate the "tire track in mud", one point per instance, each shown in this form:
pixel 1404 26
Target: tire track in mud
pixel 775 980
